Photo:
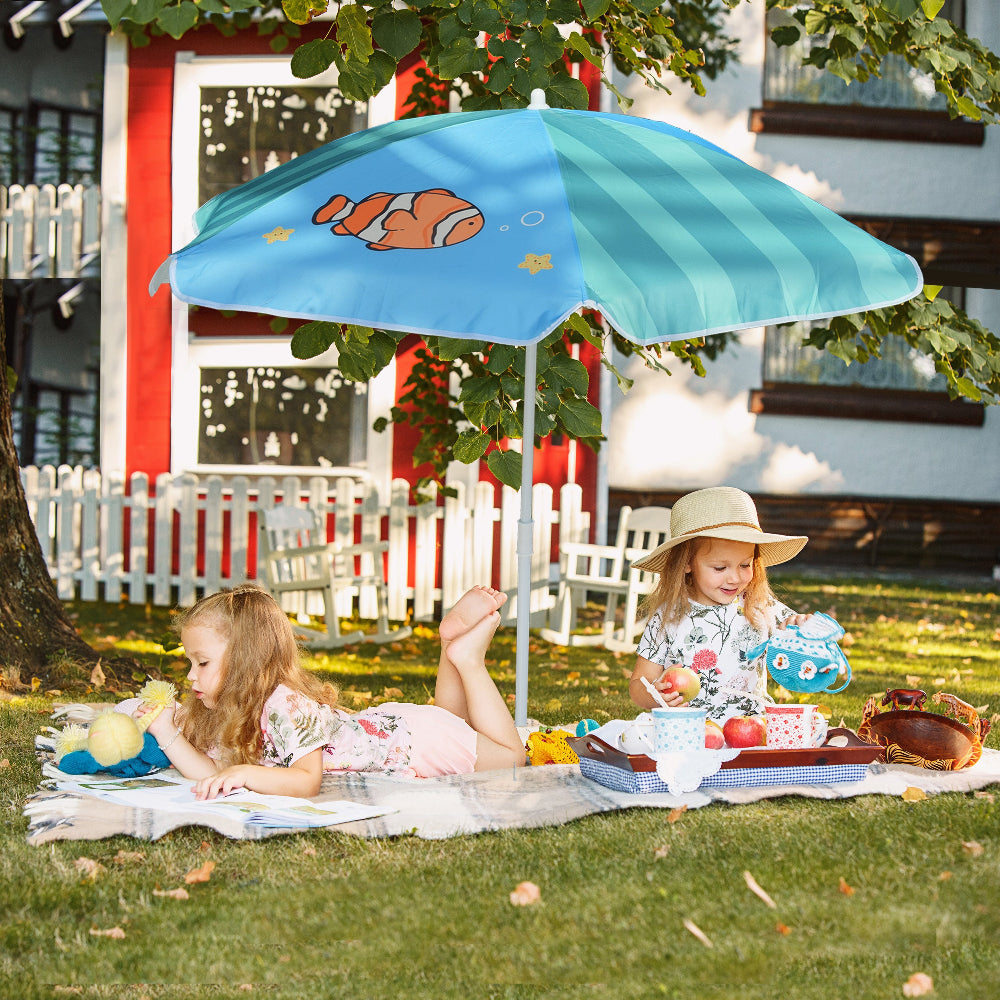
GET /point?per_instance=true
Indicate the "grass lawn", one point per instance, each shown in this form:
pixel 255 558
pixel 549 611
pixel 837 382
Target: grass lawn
pixel 868 891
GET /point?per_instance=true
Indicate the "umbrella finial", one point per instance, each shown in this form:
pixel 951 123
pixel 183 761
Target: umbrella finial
pixel 537 100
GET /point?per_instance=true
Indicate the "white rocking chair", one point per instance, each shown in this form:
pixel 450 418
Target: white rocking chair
pixel 295 558
pixel 606 569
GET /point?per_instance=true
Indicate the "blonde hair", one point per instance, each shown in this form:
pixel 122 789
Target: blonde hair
pixel 674 590
pixel 261 653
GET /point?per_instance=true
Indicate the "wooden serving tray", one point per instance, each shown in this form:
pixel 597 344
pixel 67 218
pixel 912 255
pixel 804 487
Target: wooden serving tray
pixel 856 752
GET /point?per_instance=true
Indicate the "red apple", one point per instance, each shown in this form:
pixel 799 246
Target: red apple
pixel 682 680
pixel 745 731
pixel 714 738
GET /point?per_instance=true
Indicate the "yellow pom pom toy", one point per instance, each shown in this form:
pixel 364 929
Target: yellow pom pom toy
pixel 549 746
pixel 116 740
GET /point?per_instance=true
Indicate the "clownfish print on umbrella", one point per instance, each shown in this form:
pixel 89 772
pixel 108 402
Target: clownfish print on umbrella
pixel 421 220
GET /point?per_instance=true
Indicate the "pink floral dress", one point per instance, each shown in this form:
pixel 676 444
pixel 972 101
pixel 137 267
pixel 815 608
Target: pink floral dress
pixel 294 725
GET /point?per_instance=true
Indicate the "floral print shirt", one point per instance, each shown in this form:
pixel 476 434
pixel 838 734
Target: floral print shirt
pixel 713 640
pixel 294 725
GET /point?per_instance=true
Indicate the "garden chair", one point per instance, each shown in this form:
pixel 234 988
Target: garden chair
pixel 587 569
pixel 295 558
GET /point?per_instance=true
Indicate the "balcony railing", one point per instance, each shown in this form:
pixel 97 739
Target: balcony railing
pixel 50 232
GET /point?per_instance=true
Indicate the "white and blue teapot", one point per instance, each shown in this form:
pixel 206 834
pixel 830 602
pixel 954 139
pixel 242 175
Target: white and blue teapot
pixel 806 658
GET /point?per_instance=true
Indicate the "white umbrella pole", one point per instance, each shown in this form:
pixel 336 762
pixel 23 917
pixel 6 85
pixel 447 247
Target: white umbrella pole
pixel 525 538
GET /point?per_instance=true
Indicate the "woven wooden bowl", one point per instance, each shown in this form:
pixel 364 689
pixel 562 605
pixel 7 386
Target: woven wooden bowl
pixel 934 737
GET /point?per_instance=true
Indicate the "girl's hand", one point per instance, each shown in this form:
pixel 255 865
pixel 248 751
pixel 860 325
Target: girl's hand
pixel 794 620
pixel 224 782
pixel 674 699
pixel 164 725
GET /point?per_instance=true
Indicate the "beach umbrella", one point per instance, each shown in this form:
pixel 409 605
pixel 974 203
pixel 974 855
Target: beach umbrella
pixel 495 226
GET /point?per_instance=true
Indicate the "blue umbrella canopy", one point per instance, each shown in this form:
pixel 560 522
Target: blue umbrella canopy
pixel 497 225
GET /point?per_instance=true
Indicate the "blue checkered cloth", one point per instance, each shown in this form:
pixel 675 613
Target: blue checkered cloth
pixel 640 782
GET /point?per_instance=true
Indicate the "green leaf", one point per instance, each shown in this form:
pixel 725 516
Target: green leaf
pixel 501 76
pixel 565 372
pixel 902 9
pixel 580 418
pixel 115 10
pixel 397 31
pixel 932 291
pixel 471 446
pixel 313 339
pixel 564 11
pixel 175 21
pixel 353 33
pixel 968 388
pixel 543 46
pixel 359 81
pixel 501 358
pixel 485 17
pixel 11 380
pixel 301 11
pixel 480 389
pixel 595 8
pixel 931 8
pixel 313 58
pixel 506 466
pixel 787 34
pixel 461 57
pixel 566 91
pixel 577 43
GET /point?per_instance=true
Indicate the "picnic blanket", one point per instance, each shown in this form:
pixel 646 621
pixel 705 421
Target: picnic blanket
pixel 437 808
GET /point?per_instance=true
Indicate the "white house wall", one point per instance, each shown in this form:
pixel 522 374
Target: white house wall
pixel 681 432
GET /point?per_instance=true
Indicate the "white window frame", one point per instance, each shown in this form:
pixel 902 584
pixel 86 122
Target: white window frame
pixel 190 354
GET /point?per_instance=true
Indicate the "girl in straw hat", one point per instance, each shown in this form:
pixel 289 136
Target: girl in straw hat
pixel 712 603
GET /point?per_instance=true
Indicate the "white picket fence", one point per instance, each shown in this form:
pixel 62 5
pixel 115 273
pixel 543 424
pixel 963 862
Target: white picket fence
pixel 48 231
pixel 105 538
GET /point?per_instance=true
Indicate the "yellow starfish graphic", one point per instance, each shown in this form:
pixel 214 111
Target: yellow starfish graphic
pixel 278 233
pixel 537 262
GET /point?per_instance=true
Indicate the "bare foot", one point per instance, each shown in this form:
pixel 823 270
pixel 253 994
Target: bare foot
pixel 468 651
pixel 470 609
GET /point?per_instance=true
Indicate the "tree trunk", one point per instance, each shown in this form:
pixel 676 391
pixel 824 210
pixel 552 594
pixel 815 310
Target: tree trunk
pixel 34 627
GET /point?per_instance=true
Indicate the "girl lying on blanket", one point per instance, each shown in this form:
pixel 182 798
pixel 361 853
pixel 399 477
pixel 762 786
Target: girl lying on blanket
pixel 256 719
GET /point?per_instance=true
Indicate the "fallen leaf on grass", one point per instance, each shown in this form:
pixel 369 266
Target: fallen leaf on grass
pixel 918 985
pixel 661 852
pixel 675 814
pixel 912 794
pixel 755 888
pixel 698 933
pixel 71 990
pixel 989 796
pixel 202 874
pixel 97 677
pixel 944 876
pixel 973 848
pixel 525 894
pixel 172 893
pixel 913 680
pixel 89 868
pixel 392 693
pixel 842 886
pixel 112 932
pixel 122 856
pixel 309 851
pixel 4 763
pixel 783 928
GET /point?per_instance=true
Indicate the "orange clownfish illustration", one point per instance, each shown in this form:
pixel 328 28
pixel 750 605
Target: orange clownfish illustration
pixel 420 220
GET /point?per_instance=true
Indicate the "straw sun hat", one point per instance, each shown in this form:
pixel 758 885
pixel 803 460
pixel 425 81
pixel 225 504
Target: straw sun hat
pixel 721 512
